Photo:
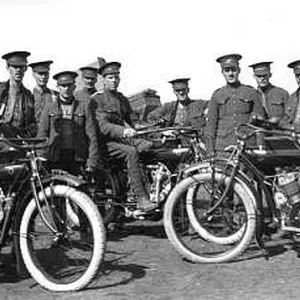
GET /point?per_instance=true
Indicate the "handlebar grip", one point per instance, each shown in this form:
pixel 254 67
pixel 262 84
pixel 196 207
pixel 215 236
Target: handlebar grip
pixel 157 130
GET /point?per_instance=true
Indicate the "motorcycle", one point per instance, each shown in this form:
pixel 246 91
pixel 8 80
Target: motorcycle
pixel 112 190
pixel 222 204
pixel 59 253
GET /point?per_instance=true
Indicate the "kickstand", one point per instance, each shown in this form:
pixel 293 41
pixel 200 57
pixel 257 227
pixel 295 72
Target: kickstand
pixel 16 251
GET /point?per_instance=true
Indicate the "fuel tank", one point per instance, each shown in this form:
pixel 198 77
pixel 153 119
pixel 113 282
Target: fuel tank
pixel 281 151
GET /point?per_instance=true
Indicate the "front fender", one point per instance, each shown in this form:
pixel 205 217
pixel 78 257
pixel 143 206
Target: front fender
pixel 224 165
pixel 57 175
pixel 208 165
pixel 195 168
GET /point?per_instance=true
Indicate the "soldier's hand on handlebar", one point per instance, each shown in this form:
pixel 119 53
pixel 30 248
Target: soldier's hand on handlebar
pixel 129 132
pixel 274 120
pixel 170 133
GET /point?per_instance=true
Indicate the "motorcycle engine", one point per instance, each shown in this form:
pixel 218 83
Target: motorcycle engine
pixel 287 195
pixel 289 184
pixel 159 182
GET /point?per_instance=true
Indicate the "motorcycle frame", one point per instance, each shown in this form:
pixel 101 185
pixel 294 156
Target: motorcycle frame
pixel 22 190
pixel 231 167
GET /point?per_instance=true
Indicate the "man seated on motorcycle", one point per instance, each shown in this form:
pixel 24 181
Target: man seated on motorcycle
pixel 115 127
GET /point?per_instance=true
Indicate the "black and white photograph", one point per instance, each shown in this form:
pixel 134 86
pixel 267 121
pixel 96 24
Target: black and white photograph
pixel 149 150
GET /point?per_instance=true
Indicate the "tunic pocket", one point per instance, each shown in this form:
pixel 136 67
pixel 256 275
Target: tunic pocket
pixel 243 105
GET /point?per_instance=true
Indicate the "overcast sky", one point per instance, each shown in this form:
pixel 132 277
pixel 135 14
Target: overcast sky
pixel 155 40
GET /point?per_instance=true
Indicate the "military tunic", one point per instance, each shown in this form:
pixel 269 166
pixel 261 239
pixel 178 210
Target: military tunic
pixel 229 107
pixel 85 91
pixel 113 115
pixel 113 112
pixel 42 97
pixel 292 111
pixel 17 113
pixel 190 114
pixel 274 100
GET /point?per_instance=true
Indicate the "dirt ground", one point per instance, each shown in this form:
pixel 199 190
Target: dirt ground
pixel 141 264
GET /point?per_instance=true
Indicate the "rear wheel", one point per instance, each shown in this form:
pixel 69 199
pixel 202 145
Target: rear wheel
pixel 68 259
pixel 209 236
pixel 106 195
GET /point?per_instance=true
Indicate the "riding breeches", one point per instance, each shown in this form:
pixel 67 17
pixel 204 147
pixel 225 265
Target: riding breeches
pixel 131 157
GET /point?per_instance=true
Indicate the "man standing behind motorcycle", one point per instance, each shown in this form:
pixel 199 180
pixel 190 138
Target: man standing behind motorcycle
pixel 292 111
pixel 70 127
pixel 230 106
pixel 41 93
pixel 183 111
pixel 113 117
pixel 89 79
pixel 273 98
pixel 17 114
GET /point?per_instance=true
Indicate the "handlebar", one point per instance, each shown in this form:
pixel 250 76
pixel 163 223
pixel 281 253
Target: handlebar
pixel 179 129
pixel 25 143
pixel 257 129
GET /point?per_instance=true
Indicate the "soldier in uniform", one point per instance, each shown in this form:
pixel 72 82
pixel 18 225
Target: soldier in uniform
pixel 113 117
pixel 41 93
pixel 16 101
pixel 183 111
pixel 292 111
pixel 89 77
pixel 274 99
pixel 70 127
pixel 230 106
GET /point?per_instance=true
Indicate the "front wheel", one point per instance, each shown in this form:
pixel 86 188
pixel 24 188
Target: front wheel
pixel 69 259
pixel 202 235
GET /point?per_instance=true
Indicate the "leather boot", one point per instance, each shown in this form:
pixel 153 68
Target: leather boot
pixel 145 205
pixel 281 234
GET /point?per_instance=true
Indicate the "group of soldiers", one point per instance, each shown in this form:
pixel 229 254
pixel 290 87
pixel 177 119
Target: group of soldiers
pixel 85 125
pixel 236 103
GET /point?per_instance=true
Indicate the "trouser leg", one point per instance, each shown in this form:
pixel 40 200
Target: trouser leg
pixel 131 157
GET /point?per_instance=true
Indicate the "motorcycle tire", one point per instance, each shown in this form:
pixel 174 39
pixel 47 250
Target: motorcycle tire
pixel 214 238
pixel 68 259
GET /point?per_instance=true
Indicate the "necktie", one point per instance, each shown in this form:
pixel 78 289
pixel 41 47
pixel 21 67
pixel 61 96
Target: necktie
pixel 264 101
